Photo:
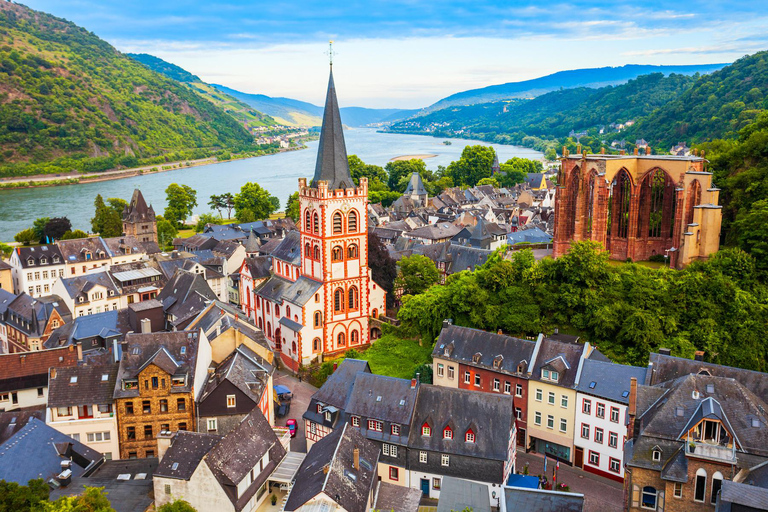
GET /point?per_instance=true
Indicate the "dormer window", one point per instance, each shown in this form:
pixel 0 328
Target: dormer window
pixel 554 376
pixel 447 433
pixel 426 430
pixel 497 361
pixel 656 454
pixel 469 436
pixel 55 259
pixel 31 262
pixel 319 408
pixel 521 368
pixel 43 260
pixel 476 357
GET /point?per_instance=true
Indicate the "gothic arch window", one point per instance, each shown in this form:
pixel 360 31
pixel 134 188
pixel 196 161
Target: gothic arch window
pixel 337 223
pixel 308 250
pixel 316 223
pixel 352 251
pixel 337 254
pixel 341 340
pixel 261 324
pixel 590 205
pixel 307 222
pixel 354 337
pixel 657 205
pixel 352 222
pixel 571 201
pixel 353 298
pixel 618 205
pixel 269 329
pixel 338 300
pixel 294 347
pixel 317 253
pixel 694 199
pixel 288 311
pixel 318 319
pixel 375 313
pixel 316 345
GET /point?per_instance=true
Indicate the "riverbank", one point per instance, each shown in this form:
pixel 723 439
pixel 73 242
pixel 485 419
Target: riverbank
pixel 73 178
pixel 412 157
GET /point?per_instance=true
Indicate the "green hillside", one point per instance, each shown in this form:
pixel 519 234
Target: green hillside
pixel 70 101
pixel 239 110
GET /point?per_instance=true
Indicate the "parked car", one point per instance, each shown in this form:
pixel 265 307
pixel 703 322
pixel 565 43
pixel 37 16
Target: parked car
pixel 293 426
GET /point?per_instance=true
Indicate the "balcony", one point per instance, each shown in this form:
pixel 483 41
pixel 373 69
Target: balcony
pixel 709 451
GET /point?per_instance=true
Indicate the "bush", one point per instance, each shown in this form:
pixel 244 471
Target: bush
pixel 657 258
pixel 26 236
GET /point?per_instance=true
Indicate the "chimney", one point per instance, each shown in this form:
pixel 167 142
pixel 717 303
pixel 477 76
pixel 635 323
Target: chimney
pixel 326 468
pixel 164 441
pixel 414 381
pixel 335 365
pixel 146 326
pixel 356 458
pixel 632 409
pixel 447 323
pixel 79 351
pixel 665 351
pixel 699 355
pixel 53 373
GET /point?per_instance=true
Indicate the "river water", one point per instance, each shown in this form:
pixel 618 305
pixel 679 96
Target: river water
pixel 277 173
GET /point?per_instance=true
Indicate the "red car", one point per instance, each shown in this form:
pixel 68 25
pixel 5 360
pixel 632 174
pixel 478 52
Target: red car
pixel 292 426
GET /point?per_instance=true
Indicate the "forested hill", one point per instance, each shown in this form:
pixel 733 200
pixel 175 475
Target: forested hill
pixel 69 100
pixel 717 106
pixel 164 67
pixel 593 78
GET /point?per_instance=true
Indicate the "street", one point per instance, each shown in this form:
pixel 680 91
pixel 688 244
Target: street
pixel 302 392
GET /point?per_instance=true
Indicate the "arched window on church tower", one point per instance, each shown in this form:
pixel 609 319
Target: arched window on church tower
pixel 341 340
pixel 353 298
pixel 307 222
pixel 337 223
pixel 352 251
pixel 352 222
pixel 308 250
pixel 318 319
pixel 337 254
pixel 317 253
pixel 316 223
pixel 338 300
pixel 354 337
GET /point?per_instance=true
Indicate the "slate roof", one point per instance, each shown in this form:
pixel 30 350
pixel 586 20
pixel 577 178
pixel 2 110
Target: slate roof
pixel 36 451
pixel 219 317
pixel 396 498
pixel 137 210
pixel 31 315
pixel 49 252
pixel 347 486
pixel 533 179
pixel 13 421
pixel 163 349
pixel 608 380
pixel 187 449
pixel 457 257
pixel 462 343
pixel 733 493
pixel 93 385
pixel 289 249
pixel 552 349
pixel 258 266
pixel 332 165
pixel 30 369
pixel 239 451
pixel 537 500
pixel 385 398
pixel 269 246
pixel 80 286
pixel 457 494
pixel 415 185
pixel 74 251
pixel 439 231
pixel 245 370
pixel 185 295
pixel 531 236
pixel 298 292
pixel 336 390
pixel 105 325
pixel 126 244
pixel 6 298
pixel 490 417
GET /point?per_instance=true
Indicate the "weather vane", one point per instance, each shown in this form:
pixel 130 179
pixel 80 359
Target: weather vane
pixel 330 53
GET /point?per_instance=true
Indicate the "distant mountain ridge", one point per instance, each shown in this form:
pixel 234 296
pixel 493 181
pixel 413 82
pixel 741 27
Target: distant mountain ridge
pixel 301 112
pixel 590 77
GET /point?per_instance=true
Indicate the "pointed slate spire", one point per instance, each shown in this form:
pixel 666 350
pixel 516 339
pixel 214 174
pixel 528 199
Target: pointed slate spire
pixel 496 167
pixel 332 164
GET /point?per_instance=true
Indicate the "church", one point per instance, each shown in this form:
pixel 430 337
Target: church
pixel 320 295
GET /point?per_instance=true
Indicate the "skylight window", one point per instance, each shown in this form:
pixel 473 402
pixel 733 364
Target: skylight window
pixel 402 403
pixel 105 377
pixel 625 394
pixel 175 466
pixel 183 350
pixel 73 379
pixel 592 385
pixel 378 398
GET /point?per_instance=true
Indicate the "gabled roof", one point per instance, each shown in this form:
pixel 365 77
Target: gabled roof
pixel 37 253
pixel 462 343
pixel 348 486
pixel 289 249
pixel 415 186
pixel 332 165
pixel 137 209
pixel 81 385
pixel 185 453
pixel 383 398
pixel 13 421
pixel 245 370
pixel 75 251
pixel 549 351
pixel 81 285
pixel 608 380
pixel 185 295
pixel 709 409
pixel 30 369
pixel 338 388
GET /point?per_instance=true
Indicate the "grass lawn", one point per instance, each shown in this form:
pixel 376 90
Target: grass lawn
pixel 396 357
pixel 649 264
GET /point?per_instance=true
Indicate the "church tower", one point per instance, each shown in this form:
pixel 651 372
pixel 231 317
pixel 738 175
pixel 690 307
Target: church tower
pixel 334 241
pixel 139 219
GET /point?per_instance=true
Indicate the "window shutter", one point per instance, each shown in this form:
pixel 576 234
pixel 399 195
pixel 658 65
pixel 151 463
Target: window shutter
pixel 635 495
pixel 660 506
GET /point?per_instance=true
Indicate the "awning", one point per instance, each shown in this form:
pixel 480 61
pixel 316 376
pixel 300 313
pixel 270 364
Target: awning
pixel 288 467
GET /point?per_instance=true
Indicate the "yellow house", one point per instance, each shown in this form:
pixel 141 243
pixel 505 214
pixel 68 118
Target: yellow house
pixel 555 370
pixel 6 281
pixel 536 181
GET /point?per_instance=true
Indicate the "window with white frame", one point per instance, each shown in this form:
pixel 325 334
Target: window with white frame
pixel 614 465
pixel 598 435
pixel 613 439
pixel 355 421
pixel 477 379
pixel 390 450
pixel 564 401
pixel 374 425
pixel 551 398
pixel 584 431
pixel 563 424
pixel 395 429
pixel 594 458
pixel 518 413
pixel 600 413
pixel 614 414
pixel 678 492
pixel 450 373
pixel 538 395
pixel 445 460
pixel 518 390
pixel 467 377
pixel 232 401
pixel 537 418
pixel 496 384
pixel 550 421
pixel 507 387
pixel 586 406
pixel 212 424
pixel 440 369
pixel 423 457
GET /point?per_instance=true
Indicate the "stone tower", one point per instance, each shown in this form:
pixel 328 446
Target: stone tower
pixel 139 219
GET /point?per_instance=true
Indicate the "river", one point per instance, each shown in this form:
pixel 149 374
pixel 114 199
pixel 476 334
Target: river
pixel 277 173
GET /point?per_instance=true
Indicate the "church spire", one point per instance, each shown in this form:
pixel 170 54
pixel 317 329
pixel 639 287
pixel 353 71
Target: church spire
pixel 332 164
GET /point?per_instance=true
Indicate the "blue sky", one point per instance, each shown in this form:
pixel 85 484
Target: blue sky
pixel 409 53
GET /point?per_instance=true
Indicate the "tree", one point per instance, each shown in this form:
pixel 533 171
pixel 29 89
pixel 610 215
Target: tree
pixel 475 164
pixel 383 267
pixel 399 168
pixel 417 273
pixel 254 199
pixel 23 498
pixel 423 372
pixel 292 207
pixel 56 227
pixel 72 235
pixel 118 204
pixel 489 181
pixel 93 499
pixel 203 220
pixel 550 154
pixel 181 200
pixel 217 203
pixel 166 232
pixel 177 506
pixel 26 236
pixel 5 250
pixel 39 228
pixel 275 202
pixel 359 169
pixel 752 229
pixel 106 222
pixel 229 203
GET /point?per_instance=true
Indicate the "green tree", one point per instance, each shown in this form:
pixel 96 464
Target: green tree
pixel 26 237
pixel 118 204
pixel 292 207
pixel 181 200
pixel 177 506
pixel 217 203
pixel 359 169
pixel 383 267
pixel 402 168
pixel 93 499
pixel 475 164
pixel 423 372
pixel 417 273
pixel 489 181
pixel 166 232
pixel 39 228
pixel 275 202
pixel 106 222
pixel 72 235
pixel 56 227
pixel 23 498
pixel 203 220
pixel 5 250
pixel 550 154
pixel 752 229
pixel 253 203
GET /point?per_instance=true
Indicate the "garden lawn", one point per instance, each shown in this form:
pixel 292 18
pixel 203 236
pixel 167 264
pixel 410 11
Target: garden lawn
pixel 397 357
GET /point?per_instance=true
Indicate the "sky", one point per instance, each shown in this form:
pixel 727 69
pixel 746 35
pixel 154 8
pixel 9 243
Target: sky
pixel 411 53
